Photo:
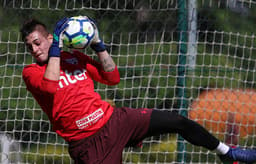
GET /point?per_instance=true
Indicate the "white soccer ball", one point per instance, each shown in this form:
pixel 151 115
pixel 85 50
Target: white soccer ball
pixel 79 33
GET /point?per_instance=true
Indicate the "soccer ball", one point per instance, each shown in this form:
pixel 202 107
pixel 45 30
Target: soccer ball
pixel 79 33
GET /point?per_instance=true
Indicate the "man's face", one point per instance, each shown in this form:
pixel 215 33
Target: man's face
pixel 38 45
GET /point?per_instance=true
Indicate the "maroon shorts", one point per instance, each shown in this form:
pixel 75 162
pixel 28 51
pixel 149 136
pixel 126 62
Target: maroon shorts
pixel 126 127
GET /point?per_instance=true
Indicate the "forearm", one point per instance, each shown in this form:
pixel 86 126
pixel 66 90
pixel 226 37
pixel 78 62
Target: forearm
pixel 106 60
pixel 52 71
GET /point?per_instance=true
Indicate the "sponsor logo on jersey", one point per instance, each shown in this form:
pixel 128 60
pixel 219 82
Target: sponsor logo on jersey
pixel 67 78
pixel 90 119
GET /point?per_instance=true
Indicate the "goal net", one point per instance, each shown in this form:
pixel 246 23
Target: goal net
pixel 198 58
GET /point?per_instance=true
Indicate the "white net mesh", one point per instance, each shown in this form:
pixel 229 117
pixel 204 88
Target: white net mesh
pixel 124 5
pixel 143 39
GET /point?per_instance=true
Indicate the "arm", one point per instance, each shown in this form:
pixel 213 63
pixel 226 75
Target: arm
pixel 106 60
pixel 40 81
pixel 110 72
pixel 108 76
pixel 49 81
pixel 98 46
pixel 52 71
pixel 33 76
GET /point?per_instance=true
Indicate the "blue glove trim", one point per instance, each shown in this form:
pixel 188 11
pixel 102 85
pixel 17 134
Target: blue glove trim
pixel 98 47
pixel 55 37
pixel 54 51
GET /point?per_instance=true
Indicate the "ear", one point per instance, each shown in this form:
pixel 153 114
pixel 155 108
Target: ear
pixel 50 38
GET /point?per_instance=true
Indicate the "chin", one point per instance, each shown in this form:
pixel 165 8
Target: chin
pixel 42 59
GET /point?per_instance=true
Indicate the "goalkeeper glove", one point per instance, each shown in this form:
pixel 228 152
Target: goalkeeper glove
pixel 97 44
pixel 237 154
pixel 57 43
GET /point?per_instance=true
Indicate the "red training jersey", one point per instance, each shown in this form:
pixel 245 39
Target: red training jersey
pixel 74 109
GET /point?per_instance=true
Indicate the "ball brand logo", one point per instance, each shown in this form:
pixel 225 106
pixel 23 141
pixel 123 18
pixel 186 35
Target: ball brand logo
pixel 90 119
pixel 67 78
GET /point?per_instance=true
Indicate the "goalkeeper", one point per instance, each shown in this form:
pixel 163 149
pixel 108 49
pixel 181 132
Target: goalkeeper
pixel 62 84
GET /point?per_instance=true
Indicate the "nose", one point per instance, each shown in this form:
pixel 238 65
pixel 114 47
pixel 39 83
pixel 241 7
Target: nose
pixel 34 49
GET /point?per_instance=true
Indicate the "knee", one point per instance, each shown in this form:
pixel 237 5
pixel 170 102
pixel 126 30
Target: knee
pixel 168 121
